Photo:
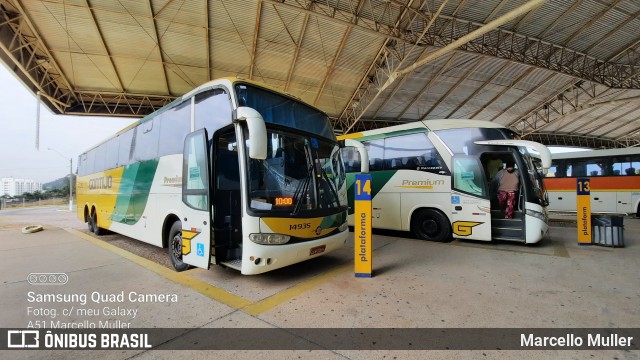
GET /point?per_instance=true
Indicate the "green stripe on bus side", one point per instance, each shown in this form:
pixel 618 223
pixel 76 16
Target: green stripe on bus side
pixel 378 180
pixel 134 191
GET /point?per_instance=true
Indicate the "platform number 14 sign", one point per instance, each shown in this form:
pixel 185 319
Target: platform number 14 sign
pixel 363 188
pixel 362 226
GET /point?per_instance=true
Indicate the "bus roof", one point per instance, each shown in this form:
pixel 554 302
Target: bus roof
pixel 596 153
pixel 228 81
pixel 438 124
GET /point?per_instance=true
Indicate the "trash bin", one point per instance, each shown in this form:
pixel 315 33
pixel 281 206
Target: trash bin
pixel 607 230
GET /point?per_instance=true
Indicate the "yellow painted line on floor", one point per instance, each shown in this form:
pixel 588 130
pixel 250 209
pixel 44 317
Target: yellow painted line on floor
pixel 200 286
pixel 261 306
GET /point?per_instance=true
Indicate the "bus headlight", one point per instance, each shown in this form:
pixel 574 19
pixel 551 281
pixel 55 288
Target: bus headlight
pixel 269 239
pixel 343 227
pixel 536 214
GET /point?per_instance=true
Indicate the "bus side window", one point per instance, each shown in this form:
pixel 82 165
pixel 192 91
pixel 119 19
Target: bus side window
pixel 147 138
pixel 212 110
pixel 124 147
pixel 351 159
pixel 175 124
pixel 375 149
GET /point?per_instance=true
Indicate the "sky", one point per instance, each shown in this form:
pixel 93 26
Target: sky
pixel 68 135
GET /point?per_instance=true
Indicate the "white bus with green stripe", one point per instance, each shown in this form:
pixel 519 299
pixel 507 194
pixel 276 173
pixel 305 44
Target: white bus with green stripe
pixel 433 178
pixel 232 173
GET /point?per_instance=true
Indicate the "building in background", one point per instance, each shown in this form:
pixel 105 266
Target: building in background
pixel 15 187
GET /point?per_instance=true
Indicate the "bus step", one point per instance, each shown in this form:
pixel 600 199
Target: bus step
pixel 498 215
pixel 234 264
pixel 508 238
pixel 510 232
pixel 506 223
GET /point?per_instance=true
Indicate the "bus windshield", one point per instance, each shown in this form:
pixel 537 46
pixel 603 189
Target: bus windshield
pixel 300 174
pixel 461 141
pixel 285 111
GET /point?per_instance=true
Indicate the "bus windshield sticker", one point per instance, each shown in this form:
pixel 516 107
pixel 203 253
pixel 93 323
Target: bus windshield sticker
pixel 467 175
pixel 194 173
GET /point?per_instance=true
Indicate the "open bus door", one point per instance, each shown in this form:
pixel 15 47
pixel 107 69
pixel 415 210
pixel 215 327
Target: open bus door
pixel 470 200
pixel 196 219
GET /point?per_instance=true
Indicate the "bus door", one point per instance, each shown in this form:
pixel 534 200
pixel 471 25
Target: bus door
pixel 196 219
pixel 226 198
pixel 470 202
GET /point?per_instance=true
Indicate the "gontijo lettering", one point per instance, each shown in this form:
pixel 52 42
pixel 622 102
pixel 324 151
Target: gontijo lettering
pixel 103 182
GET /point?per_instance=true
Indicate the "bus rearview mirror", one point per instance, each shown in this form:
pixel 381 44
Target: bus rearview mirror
pixel 257 132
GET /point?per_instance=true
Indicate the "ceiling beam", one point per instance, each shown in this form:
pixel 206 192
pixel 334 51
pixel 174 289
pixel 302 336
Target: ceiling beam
pixel 561 105
pixel 366 89
pixel 404 78
pixel 395 66
pixel 495 11
pixel 104 45
pixel 256 32
pixel 332 67
pixel 591 22
pixel 298 44
pixel 29 64
pixel 478 63
pixel 613 122
pixel 504 90
pixel 207 36
pixel 117 104
pixel 485 84
pixel 613 31
pixel 159 47
pixel 498 43
pixel 559 19
pixel 426 86
pixel 624 49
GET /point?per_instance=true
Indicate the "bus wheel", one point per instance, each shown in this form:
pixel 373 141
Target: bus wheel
pixel 96 229
pixel 90 223
pixel 175 247
pixel 432 225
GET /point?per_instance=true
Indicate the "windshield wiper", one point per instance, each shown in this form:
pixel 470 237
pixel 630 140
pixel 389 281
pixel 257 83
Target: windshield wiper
pixel 302 188
pixel 331 184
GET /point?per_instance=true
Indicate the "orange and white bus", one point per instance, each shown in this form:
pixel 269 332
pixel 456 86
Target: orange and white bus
pixel 614 175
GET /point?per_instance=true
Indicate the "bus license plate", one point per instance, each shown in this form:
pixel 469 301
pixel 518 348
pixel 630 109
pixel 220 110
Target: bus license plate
pixel 317 250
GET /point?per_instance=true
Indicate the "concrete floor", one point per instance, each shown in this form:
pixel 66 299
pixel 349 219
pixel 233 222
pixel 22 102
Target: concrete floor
pixel 461 284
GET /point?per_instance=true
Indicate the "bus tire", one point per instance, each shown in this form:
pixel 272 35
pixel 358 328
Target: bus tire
pixel 432 225
pixel 175 247
pixel 96 229
pixel 90 223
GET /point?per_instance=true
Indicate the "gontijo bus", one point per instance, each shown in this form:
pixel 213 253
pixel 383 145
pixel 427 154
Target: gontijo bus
pixel 614 180
pixel 433 178
pixel 231 173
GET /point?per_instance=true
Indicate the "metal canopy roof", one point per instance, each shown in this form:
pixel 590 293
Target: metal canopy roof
pixel 565 73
